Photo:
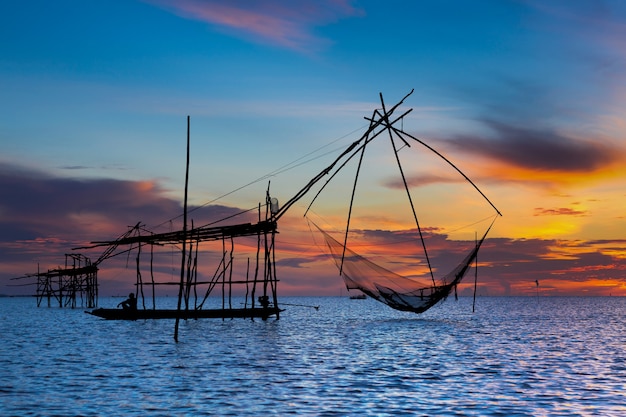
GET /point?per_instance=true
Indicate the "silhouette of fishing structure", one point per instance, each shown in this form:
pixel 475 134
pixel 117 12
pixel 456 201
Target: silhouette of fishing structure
pixel 260 289
pixel 76 281
pixel 360 273
pixel 259 285
pixel 260 282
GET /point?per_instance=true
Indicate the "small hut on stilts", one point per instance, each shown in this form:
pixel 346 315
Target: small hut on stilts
pixel 75 283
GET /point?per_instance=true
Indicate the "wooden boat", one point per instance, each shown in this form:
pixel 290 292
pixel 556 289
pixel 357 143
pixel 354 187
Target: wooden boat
pixel 121 314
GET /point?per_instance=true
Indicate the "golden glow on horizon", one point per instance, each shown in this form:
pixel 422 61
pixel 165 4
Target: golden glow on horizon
pixel 548 287
pixel 549 228
pixel 590 286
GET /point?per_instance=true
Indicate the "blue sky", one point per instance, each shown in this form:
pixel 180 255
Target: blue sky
pixel 527 96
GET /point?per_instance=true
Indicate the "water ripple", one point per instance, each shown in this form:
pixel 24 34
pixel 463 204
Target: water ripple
pixel 513 357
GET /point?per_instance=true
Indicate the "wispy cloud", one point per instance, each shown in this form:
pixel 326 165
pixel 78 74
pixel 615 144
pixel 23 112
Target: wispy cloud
pixel 560 211
pixel 600 22
pixel 285 24
pixel 422 181
pixel 75 167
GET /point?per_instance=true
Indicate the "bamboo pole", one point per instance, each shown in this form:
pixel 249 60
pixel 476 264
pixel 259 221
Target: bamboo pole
pixel 230 275
pixel 182 262
pixel 152 276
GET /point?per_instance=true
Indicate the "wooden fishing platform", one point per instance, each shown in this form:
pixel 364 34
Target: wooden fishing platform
pixel 76 282
pixel 257 283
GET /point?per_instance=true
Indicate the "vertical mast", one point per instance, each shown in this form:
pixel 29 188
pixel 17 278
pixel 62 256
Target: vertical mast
pixel 182 262
pixel 475 274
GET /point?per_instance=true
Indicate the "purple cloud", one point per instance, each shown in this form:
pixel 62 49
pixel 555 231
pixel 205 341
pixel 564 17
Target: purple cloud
pixel 543 150
pixel 42 217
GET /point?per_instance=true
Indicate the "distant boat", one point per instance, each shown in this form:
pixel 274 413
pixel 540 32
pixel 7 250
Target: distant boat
pixel 358 297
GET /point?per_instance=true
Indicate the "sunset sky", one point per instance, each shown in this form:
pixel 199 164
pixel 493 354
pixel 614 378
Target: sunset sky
pixel 527 97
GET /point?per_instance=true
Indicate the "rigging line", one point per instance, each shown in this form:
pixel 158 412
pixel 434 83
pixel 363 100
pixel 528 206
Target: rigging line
pixel 408 193
pixel 324 172
pixel 469 225
pixel 399 133
pixel 356 177
pixel 314 181
pixel 280 170
pixel 209 202
pixel 315 243
pixel 239 213
pixel 330 167
pixel 403 241
pixel 277 172
pixel 287 166
pixel 320 148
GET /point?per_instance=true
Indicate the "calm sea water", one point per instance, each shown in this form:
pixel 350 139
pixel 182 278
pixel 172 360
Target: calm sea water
pixel 512 357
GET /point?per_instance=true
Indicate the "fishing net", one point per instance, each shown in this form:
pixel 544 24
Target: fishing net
pixel 397 291
pixel 390 288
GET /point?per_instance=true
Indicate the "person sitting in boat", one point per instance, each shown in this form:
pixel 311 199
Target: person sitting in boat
pixel 130 303
pixel 264 300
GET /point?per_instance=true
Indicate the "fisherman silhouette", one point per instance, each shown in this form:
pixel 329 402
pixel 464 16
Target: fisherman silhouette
pixel 264 300
pixel 129 304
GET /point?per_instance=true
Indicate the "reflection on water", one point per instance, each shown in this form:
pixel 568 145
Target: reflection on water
pixel 513 357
